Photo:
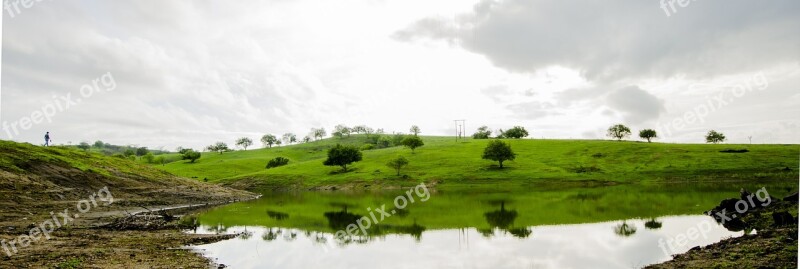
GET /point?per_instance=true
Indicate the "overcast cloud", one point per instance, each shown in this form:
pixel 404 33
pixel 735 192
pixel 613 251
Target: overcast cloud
pixel 188 73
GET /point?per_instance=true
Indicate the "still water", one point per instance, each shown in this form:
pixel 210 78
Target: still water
pixel 627 226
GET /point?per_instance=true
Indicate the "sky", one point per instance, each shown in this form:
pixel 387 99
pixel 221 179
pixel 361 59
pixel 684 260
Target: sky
pixel 164 74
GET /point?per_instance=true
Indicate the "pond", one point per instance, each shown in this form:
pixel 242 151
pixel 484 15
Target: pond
pixel 624 226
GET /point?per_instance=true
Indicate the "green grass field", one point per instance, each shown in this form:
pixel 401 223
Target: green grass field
pixel 445 161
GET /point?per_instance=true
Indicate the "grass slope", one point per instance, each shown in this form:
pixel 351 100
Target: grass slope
pixel 443 160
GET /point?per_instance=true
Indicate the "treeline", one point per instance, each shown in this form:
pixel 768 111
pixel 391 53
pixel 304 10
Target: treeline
pixel 125 152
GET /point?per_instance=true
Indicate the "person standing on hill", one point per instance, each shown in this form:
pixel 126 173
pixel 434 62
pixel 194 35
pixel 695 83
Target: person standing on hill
pixel 47 139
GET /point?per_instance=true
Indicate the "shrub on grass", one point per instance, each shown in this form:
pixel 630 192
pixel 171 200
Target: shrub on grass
pixel 278 161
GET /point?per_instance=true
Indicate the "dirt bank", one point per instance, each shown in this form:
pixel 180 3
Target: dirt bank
pixel 770 240
pixel 69 196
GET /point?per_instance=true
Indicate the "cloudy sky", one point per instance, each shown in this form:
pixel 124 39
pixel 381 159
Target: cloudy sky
pixel 188 73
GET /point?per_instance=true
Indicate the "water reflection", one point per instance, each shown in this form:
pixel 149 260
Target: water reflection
pixel 503 220
pixel 610 227
pixel 554 246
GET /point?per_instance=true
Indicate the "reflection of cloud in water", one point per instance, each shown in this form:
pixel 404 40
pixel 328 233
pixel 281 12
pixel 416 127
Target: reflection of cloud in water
pixel 559 246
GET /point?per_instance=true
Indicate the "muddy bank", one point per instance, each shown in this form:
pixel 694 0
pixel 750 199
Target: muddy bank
pixel 770 239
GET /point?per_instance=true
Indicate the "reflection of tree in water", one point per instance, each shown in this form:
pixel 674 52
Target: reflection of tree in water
pixel 338 220
pixel 246 234
pixel 624 229
pixel 277 215
pixel 218 229
pixel 503 219
pixel 652 224
pixel 415 230
pixel 291 235
pixel 271 235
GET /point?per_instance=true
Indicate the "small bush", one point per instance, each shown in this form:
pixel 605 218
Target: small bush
pixel 71 263
pixel 278 161
pixel 367 147
pixel 734 151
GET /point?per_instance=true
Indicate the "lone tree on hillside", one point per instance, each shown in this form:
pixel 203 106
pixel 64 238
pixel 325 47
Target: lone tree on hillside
pixel 619 132
pixel 141 151
pixel 482 133
pixel 99 144
pixel 306 139
pixel 218 147
pixel 318 133
pixel 516 132
pixel 342 156
pixel 269 140
pixel 244 142
pixel 412 142
pixel 414 130
pixel 648 134
pixel 84 146
pixel 289 138
pixel 190 155
pixel 499 151
pixel 397 163
pixel 714 137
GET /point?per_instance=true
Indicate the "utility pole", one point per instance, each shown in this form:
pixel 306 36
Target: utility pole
pixel 460 129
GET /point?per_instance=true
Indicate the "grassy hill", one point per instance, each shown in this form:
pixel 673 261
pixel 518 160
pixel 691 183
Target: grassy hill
pixel 444 161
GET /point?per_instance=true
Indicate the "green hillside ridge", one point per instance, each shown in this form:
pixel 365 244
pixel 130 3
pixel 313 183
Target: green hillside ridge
pixel 443 160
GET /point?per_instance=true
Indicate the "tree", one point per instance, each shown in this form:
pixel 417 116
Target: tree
pixel 648 134
pixel 342 156
pixel 182 150
pixel 218 147
pixel 129 152
pixel 359 129
pixel 499 151
pixel 289 138
pixel 306 139
pixel 278 143
pixel 244 142
pixel 414 130
pixel 368 131
pixel 191 155
pixel 142 151
pixel 397 163
pixel 149 157
pixel 482 133
pixel 84 146
pixel 318 133
pixel 714 137
pixel 500 134
pixel 516 132
pixel 99 144
pixel 412 142
pixel 269 140
pixel 341 130
pixel 619 132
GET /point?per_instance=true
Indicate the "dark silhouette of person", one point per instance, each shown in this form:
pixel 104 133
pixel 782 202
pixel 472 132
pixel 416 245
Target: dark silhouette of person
pixel 47 139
